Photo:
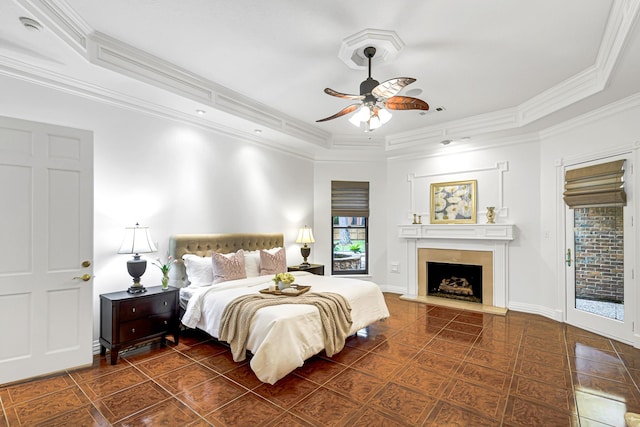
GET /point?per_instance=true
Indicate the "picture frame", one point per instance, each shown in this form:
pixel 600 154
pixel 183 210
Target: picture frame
pixel 453 202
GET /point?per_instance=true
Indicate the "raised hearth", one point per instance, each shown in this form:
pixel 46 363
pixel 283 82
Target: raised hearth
pixel 479 244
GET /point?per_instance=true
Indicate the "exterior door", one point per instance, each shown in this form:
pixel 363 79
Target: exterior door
pixel 599 261
pixel 46 227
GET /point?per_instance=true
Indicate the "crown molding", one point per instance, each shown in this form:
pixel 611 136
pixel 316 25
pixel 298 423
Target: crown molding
pixel 104 51
pixel 110 53
pixel 437 150
pixel 594 79
pixel 475 125
pixel 612 109
pixel 62 20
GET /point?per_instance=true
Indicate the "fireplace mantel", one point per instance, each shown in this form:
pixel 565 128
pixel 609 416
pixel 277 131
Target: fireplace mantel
pixel 494 238
pixel 457 231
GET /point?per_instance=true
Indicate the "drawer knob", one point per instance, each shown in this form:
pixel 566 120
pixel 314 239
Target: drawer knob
pixel 165 303
pixel 133 330
pixel 133 310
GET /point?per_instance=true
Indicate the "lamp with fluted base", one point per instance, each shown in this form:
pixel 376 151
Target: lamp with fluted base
pixel 305 235
pixel 137 240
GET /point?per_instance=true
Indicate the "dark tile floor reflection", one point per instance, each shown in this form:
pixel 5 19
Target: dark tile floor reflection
pixel 426 365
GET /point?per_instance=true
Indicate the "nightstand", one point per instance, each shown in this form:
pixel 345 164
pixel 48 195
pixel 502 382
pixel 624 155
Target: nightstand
pixel 311 268
pixel 129 319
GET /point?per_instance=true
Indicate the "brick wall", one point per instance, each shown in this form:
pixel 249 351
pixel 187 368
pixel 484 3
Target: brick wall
pixel 599 253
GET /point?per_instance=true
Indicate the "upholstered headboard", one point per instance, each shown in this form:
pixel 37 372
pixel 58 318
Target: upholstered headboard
pixel 204 244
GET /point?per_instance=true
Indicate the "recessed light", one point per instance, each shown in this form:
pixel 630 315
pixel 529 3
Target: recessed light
pixel 445 142
pixel 30 24
pixel 201 112
pixel 257 131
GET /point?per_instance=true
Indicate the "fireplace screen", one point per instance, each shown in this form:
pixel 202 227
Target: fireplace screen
pixel 457 281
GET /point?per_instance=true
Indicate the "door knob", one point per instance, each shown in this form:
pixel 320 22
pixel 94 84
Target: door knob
pixel 84 277
pixel 86 264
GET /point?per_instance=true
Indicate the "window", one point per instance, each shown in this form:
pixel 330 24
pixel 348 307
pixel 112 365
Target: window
pixel 349 227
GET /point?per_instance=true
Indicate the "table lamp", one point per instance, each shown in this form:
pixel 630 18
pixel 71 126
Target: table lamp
pixel 137 240
pixel 305 235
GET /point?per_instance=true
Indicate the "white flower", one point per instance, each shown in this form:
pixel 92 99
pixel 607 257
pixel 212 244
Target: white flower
pixel 464 207
pixel 452 211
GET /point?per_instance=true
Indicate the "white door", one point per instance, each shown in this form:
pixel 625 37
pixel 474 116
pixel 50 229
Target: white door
pixel 46 229
pixel 609 309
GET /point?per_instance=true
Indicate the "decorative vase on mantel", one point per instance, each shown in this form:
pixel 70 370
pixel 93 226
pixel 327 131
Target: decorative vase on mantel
pixel 165 281
pixel 491 215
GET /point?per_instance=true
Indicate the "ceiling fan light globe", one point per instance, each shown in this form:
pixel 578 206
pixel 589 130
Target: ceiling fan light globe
pixel 355 120
pixel 384 115
pixel 374 123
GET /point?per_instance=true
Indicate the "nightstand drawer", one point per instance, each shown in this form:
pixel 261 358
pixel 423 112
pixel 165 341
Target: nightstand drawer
pixel 141 328
pixel 144 307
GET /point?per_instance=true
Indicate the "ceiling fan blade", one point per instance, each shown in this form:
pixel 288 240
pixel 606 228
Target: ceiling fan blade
pixel 391 87
pixel 347 110
pixel 405 103
pixel 343 95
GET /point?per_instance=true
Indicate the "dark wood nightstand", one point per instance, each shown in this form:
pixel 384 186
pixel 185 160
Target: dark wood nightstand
pixel 129 319
pixel 311 268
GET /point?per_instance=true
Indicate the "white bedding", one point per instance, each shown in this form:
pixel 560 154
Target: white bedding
pixel 282 337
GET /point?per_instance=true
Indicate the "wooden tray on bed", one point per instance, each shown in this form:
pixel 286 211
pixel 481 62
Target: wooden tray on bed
pixel 301 289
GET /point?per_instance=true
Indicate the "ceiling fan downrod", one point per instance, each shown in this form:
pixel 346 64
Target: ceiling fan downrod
pixel 369 52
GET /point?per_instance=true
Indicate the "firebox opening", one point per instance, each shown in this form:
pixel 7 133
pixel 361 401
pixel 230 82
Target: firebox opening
pixel 457 281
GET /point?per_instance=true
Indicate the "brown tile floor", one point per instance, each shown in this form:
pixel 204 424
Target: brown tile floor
pixel 426 365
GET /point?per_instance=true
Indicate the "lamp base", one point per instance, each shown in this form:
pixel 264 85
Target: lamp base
pixel 305 251
pixel 136 268
pixel 137 289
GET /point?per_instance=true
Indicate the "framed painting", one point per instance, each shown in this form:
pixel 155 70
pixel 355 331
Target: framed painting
pixel 453 202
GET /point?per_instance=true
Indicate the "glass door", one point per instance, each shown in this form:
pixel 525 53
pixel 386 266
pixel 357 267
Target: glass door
pixel 598 262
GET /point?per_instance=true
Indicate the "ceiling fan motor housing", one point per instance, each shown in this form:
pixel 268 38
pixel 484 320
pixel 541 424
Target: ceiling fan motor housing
pixel 365 89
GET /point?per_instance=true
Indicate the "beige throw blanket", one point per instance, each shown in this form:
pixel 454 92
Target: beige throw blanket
pixel 335 315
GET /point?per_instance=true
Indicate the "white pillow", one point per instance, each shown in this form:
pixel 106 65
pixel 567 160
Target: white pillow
pixel 252 263
pixel 199 270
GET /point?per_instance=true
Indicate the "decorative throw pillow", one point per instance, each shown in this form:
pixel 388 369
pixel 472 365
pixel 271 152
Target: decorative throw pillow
pixel 228 266
pixel 273 261
pixel 199 270
pixel 252 263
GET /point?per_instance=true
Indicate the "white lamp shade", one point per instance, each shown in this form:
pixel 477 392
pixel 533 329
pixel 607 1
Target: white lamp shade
pixel 305 235
pixel 137 240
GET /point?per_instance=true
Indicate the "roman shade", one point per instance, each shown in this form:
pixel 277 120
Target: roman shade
pixel 596 185
pixel 349 198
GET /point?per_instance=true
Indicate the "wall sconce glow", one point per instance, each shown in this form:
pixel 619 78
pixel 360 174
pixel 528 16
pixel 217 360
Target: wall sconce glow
pixel 201 112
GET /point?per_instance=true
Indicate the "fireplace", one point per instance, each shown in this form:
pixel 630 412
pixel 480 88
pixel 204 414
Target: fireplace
pixel 456 281
pixel 456 263
pixel 465 244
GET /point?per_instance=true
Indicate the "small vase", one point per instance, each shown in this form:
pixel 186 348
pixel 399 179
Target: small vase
pixel 491 215
pixel 281 286
pixel 165 282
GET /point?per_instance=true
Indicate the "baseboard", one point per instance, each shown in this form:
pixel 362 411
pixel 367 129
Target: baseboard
pixel 96 347
pixel 393 289
pixel 537 309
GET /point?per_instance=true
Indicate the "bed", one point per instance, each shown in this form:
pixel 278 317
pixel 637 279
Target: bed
pixel 280 337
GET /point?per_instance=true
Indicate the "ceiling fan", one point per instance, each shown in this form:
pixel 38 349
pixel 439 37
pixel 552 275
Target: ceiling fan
pixel 376 99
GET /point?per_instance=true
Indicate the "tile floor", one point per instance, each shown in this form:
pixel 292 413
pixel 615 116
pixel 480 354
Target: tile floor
pixel 426 365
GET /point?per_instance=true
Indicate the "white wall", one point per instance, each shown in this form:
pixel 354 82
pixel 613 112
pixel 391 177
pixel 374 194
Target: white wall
pixel 173 177
pixel 519 203
pixel 358 170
